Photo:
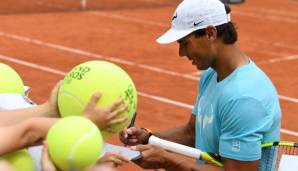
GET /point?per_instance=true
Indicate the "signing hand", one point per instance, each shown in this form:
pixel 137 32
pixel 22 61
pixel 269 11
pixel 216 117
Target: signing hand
pixel 134 135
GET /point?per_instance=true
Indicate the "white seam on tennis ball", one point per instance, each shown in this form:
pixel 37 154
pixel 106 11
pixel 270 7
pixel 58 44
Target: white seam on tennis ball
pixel 75 146
pixel 64 93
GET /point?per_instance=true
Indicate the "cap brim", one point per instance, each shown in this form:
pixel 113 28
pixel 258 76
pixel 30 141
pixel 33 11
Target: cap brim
pixel 173 35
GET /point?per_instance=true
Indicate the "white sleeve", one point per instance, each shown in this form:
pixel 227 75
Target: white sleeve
pixel 9 101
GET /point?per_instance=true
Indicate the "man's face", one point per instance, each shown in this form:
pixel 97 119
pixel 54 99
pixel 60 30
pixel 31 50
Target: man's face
pixel 197 49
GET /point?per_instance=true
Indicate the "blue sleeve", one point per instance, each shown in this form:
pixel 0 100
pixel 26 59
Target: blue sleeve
pixel 242 123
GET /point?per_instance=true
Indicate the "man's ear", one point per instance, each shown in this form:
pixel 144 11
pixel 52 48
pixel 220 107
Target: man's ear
pixel 211 33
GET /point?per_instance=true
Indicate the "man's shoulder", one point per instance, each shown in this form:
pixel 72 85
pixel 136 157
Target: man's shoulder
pixel 249 82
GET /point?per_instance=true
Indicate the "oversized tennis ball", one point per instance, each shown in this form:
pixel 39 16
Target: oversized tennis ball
pixel 74 143
pixel 20 160
pixel 86 79
pixel 11 82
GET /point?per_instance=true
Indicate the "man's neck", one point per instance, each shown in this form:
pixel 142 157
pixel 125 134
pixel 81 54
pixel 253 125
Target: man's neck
pixel 229 57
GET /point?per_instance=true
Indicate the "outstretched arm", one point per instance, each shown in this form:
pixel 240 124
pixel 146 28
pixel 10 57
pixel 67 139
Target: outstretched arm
pixel 24 134
pixel 30 131
pixel 47 109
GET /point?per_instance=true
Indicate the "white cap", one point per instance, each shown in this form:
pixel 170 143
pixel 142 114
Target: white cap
pixel 192 15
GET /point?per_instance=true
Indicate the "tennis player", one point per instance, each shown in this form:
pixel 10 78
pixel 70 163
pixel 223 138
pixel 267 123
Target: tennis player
pixel 237 108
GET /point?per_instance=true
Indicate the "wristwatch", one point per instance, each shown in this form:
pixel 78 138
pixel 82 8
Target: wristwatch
pixel 149 135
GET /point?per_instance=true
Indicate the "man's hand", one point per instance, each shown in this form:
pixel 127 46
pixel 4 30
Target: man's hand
pixel 153 157
pixel 105 117
pixel 134 136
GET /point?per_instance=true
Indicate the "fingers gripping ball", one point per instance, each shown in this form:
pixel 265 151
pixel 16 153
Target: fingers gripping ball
pixel 20 160
pixel 11 82
pixel 74 143
pixel 97 76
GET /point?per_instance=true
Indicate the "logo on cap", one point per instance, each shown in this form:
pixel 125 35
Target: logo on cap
pixel 195 24
pixel 174 17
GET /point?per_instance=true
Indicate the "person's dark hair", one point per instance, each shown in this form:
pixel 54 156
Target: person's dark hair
pixel 225 31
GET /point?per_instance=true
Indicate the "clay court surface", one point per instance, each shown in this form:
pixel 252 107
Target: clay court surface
pixel 43 46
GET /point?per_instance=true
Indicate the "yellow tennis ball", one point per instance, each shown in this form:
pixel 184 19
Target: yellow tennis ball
pixel 86 79
pixel 11 82
pixel 74 143
pixel 20 160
